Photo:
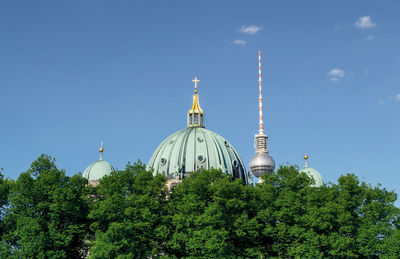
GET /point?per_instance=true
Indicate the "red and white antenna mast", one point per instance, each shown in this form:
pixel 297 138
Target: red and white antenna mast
pixel 261 129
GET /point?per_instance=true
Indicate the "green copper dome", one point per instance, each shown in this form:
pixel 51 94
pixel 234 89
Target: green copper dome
pixel 98 169
pixel 193 149
pixel 311 172
pixel 95 171
pixel 196 148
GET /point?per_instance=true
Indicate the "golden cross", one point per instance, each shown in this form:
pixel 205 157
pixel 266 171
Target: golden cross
pixel 195 80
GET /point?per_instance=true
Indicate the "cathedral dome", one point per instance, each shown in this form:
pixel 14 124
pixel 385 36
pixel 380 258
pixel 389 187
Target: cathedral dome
pixel 193 149
pixel 311 172
pixel 98 169
pixel 196 148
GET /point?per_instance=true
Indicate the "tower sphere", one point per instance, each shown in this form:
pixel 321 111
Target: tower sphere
pixel 261 163
pixel 194 149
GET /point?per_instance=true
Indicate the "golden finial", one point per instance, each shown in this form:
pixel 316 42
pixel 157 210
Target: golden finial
pixel 101 149
pixel 305 158
pixel 195 80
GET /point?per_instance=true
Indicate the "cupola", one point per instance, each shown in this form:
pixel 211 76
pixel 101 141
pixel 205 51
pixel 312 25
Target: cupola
pixel 98 169
pixel 312 173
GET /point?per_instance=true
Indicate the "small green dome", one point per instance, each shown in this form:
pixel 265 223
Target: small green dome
pixel 193 149
pixel 312 173
pixel 97 170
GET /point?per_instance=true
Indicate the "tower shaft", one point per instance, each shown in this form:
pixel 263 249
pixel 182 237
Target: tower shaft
pixel 261 124
pixel 260 139
pixel 260 143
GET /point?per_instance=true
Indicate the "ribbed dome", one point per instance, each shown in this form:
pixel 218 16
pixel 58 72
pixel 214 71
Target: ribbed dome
pixel 311 172
pixel 193 149
pixel 196 148
pixel 97 170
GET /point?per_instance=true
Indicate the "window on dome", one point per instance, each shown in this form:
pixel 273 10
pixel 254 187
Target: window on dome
pixel 163 161
pixel 235 163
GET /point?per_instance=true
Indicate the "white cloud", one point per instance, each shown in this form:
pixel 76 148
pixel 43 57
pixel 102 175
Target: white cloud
pixel 240 42
pixel 370 37
pixel 336 72
pixel 381 102
pixel 364 22
pixel 395 97
pixel 250 30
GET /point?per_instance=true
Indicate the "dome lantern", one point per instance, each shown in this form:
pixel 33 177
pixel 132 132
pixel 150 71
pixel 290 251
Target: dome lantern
pixel 195 114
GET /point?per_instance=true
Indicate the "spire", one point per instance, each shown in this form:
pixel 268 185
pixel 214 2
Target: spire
pixel 101 150
pixel 306 158
pixel 195 114
pixel 261 124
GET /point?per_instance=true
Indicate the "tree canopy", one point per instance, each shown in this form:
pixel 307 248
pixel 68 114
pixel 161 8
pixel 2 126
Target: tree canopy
pixel 131 214
pixel 47 213
pixel 127 214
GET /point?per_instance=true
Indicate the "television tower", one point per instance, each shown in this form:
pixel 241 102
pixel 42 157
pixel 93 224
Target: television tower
pixel 261 163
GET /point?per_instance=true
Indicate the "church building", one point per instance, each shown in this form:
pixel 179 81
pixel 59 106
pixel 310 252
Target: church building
pixel 196 148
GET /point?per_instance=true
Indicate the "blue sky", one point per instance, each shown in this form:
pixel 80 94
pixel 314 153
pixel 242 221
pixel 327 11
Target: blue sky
pixel 73 73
